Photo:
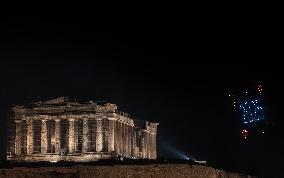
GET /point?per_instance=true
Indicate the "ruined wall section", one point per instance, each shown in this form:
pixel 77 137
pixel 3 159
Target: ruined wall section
pixel 141 171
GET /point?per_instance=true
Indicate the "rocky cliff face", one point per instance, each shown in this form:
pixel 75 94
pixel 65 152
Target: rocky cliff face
pixel 141 171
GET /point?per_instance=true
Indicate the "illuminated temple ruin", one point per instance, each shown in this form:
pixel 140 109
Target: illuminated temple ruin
pixel 61 129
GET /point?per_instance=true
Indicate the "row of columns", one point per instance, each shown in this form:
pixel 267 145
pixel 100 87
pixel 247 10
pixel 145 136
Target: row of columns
pixel 71 136
pixel 149 145
pixel 123 137
pixel 30 134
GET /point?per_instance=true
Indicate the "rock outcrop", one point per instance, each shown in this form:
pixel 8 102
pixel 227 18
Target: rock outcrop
pixel 137 171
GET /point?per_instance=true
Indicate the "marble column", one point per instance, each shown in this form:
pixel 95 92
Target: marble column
pixel 143 144
pixel 150 145
pixel 30 148
pixel 71 139
pixel 133 142
pixel 129 140
pixel 111 133
pixel 126 139
pixel 155 146
pixel 115 136
pixel 99 136
pixel 85 135
pixel 57 136
pixel 120 141
pixel 43 136
pixel 146 144
pixel 18 138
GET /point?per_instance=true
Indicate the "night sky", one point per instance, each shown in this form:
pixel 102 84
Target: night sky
pixel 171 76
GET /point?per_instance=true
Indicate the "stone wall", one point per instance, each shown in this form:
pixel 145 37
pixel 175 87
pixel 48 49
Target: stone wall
pixel 138 171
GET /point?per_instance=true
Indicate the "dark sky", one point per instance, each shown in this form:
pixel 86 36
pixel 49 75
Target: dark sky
pixel 173 76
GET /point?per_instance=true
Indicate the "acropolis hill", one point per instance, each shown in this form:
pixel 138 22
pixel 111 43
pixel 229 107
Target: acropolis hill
pixel 120 171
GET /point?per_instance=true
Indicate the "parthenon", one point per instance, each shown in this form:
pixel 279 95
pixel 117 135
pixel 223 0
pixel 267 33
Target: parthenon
pixel 65 130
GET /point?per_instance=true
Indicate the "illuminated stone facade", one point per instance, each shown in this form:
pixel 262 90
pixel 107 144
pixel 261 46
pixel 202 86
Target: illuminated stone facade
pixel 61 129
